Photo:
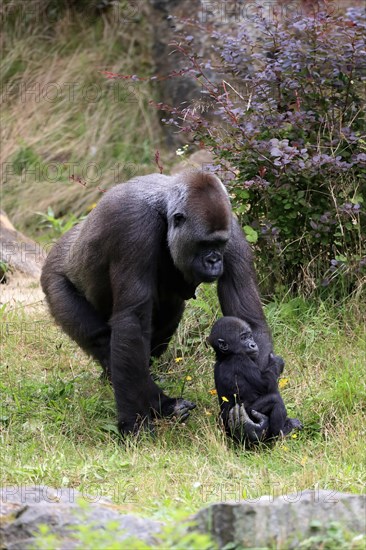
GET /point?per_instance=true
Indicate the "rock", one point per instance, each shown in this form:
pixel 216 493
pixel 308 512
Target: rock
pixel 281 522
pixel 18 252
pixel 25 509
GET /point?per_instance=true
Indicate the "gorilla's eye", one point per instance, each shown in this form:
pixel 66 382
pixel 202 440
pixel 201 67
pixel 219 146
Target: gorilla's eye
pixel 179 219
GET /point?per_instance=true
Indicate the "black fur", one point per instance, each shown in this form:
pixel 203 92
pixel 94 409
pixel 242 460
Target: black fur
pixel 239 380
pixel 117 282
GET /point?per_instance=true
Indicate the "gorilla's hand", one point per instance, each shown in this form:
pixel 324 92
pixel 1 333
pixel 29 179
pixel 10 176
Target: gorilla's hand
pixel 178 408
pixel 242 427
pixel 182 408
pixel 277 363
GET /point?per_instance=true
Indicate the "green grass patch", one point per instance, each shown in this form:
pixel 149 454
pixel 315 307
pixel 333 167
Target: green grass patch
pixel 58 418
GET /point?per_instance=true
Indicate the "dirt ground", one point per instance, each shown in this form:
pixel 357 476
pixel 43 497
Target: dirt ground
pixel 22 290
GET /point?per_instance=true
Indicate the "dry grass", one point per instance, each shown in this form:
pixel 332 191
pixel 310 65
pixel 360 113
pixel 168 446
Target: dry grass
pixel 62 117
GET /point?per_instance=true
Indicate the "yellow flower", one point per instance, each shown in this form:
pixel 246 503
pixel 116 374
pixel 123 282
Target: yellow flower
pixel 284 448
pixel 225 399
pixel 282 383
pixel 178 359
pixel 208 413
pixel 212 392
pixel 304 461
pixel 294 436
pixel 188 378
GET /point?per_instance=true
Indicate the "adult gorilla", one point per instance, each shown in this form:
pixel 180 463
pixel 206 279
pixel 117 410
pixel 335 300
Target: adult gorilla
pixel 117 282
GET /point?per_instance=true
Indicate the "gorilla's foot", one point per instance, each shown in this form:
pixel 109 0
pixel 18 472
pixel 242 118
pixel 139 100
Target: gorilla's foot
pixel 138 426
pixel 291 424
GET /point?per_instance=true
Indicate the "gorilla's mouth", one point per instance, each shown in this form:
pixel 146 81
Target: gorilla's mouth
pixel 208 274
pixel 210 271
pixel 209 278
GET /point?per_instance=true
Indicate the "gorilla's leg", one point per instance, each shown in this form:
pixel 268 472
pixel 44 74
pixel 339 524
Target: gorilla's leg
pixel 165 322
pixel 137 396
pixel 131 379
pixel 276 363
pixel 279 422
pixel 79 319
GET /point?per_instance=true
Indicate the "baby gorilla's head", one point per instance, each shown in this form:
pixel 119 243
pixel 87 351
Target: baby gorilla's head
pixel 231 335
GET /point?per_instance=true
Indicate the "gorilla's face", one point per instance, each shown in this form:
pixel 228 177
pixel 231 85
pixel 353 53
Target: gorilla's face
pixel 198 231
pixel 207 263
pixel 198 254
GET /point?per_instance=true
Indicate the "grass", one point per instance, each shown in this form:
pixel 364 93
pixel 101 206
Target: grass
pixel 61 117
pixel 58 418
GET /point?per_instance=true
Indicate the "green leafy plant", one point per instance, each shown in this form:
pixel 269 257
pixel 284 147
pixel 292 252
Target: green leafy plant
pixel 88 535
pixel 335 538
pixel 59 226
pixel 4 270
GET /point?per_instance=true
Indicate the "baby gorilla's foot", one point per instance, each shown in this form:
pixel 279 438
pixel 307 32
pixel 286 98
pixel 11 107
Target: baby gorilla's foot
pixel 290 425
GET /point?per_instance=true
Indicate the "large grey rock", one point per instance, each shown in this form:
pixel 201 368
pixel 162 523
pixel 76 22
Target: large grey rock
pixel 24 509
pixel 281 522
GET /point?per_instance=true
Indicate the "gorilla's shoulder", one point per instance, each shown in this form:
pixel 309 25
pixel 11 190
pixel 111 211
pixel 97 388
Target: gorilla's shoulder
pixel 149 189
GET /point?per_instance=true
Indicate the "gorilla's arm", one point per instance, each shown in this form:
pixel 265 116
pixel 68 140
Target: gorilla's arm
pixel 238 296
pixel 238 293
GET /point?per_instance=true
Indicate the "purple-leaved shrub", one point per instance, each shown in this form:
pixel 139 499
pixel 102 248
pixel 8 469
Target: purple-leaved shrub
pixel 287 126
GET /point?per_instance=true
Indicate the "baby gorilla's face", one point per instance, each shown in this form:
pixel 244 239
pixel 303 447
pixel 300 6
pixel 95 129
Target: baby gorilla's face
pixel 249 345
pixel 233 335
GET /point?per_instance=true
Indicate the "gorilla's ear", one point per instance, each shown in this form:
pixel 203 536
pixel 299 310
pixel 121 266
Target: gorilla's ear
pixel 179 219
pixel 222 345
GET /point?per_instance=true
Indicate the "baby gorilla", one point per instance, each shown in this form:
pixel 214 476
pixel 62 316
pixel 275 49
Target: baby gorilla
pixel 239 380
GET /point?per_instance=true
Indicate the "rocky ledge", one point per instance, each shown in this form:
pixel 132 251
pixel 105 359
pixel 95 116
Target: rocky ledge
pixel 280 522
